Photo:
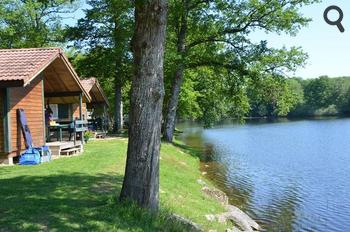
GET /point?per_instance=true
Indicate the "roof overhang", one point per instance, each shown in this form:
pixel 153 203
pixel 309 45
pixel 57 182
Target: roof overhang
pixel 11 83
pixel 52 57
pixel 98 86
pixel 93 87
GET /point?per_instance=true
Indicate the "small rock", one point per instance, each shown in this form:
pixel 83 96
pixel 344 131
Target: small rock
pixel 239 216
pixel 234 214
pixel 186 222
pixel 216 194
pixel 207 166
pixel 210 217
pixel 234 229
pixel 201 182
pixel 221 218
pixel 183 163
pixel 204 173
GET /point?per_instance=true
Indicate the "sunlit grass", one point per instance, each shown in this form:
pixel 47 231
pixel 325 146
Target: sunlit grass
pixel 80 193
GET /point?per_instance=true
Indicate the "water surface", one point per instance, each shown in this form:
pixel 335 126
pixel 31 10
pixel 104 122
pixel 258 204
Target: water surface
pixel 289 176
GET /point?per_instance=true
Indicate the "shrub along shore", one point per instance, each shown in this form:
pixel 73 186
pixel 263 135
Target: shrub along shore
pixel 80 193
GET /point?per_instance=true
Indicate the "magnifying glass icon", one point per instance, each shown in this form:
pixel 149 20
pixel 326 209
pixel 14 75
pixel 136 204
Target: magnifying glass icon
pixel 336 22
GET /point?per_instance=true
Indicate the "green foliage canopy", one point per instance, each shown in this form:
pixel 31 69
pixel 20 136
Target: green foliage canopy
pixel 32 23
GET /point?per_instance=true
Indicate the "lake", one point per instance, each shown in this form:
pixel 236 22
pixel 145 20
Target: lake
pixel 289 175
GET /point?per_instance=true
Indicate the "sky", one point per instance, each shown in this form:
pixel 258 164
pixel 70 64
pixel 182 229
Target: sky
pixel 327 47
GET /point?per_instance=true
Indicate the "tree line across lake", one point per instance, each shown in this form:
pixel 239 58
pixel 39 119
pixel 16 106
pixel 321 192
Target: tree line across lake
pixel 213 100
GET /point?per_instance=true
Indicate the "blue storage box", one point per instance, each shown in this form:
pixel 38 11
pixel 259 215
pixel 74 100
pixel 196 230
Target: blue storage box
pixel 30 157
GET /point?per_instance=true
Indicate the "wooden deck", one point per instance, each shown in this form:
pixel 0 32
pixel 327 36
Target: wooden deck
pixel 65 148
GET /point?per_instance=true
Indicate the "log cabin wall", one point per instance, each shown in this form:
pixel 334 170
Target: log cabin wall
pixel 2 136
pixel 29 98
pixel 76 112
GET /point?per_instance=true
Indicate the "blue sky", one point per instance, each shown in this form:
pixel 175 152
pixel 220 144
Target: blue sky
pixel 328 49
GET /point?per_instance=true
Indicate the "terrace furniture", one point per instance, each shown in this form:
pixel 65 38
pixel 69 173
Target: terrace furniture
pixel 77 127
pixel 58 128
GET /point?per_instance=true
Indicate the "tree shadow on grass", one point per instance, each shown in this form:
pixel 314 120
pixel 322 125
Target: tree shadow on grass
pixel 72 202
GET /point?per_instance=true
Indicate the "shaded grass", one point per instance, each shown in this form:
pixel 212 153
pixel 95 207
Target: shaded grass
pixel 80 193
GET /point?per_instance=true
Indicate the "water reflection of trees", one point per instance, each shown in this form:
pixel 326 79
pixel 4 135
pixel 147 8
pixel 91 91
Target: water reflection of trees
pixel 239 191
pixel 281 213
pixel 238 188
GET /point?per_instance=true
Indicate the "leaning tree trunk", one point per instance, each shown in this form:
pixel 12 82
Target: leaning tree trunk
pixel 141 181
pixel 170 119
pixel 118 104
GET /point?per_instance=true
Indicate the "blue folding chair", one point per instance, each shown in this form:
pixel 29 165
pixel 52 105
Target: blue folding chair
pixel 32 155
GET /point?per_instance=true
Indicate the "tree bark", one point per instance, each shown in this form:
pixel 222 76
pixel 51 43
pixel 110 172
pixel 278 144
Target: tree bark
pixel 118 79
pixel 118 104
pixel 170 120
pixel 141 181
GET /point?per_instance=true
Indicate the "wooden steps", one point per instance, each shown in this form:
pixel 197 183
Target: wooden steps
pixel 71 151
pixel 65 148
pixel 100 135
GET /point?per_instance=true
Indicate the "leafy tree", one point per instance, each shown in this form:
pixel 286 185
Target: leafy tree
pixel 318 92
pixel 271 96
pixel 296 88
pixel 99 63
pixel 189 106
pixel 32 23
pixel 104 36
pixel 141 181
pixel 216 33
pixel 344 102
pixel 222 99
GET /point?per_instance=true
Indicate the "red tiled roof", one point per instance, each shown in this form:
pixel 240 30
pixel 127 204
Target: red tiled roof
pixel 24 64
pixel 89 83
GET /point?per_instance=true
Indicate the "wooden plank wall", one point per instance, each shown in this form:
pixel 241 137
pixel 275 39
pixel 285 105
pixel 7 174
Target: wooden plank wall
pixel 31 100
pixel 2 138
pixel 76 112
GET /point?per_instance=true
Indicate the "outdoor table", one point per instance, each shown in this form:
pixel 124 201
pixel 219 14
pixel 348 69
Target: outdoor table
pixel 58 129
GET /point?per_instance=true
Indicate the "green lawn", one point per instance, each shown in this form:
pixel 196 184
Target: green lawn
pixel 79 193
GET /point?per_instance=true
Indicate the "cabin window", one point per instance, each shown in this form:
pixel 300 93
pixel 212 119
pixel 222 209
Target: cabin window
pixel 61 111
pixel 54 108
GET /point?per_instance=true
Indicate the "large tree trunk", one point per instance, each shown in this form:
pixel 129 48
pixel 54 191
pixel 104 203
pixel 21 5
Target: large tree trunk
pixel 141 181
pixel 118 111
pixel 170 120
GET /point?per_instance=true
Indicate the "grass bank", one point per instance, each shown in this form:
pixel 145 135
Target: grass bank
pixel 79 193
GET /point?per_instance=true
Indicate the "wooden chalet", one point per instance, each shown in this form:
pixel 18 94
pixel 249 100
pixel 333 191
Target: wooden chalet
pixel 31 79
pixel 96 109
